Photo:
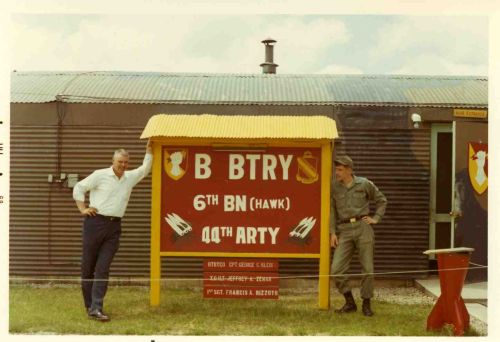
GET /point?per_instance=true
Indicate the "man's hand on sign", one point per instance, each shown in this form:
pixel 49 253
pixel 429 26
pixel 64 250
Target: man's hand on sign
pixel 334 241
pixel 149 145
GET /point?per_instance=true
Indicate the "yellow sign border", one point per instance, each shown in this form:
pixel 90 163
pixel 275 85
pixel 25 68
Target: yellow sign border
pixel 326 168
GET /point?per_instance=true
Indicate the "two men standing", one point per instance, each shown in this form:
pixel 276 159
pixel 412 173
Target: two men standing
pixel 110 190
pixel 351 230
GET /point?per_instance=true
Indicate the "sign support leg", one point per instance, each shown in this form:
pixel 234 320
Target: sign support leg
pixel 324 260
pixel 155 271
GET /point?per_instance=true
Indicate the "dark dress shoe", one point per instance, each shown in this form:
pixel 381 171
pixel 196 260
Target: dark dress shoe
pixel 98 315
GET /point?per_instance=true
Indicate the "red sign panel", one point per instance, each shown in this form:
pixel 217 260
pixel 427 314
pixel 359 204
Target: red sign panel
pixel 255 265
pixel 241 278
pixel 240 201
pixel 240 292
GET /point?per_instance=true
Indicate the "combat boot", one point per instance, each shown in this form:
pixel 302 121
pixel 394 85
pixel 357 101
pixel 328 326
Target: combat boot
pixel 350 304
pixel 367 311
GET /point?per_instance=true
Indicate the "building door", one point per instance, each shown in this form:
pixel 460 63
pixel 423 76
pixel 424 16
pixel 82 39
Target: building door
pixel 442 179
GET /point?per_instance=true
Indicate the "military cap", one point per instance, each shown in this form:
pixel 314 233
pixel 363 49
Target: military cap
pixel 344 160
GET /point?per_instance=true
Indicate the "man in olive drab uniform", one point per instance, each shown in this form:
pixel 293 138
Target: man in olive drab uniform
pixel 351 229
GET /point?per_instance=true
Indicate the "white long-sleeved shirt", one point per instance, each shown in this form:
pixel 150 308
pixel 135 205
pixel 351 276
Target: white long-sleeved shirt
pixel 108 193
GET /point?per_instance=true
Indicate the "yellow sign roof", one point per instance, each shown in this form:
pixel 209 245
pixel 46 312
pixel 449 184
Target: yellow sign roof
pixel 239 126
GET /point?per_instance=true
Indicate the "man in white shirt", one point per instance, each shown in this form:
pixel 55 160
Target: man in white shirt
pixel 110 191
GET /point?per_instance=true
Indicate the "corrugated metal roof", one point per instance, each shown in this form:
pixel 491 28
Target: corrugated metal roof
pixel 134 87
pixel 238 126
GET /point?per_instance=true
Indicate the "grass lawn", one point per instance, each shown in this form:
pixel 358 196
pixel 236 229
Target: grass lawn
pixel 58 309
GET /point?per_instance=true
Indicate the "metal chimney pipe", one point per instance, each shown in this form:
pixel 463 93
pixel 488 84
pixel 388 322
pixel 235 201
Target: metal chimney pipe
pixel 269 53
pixel 269 67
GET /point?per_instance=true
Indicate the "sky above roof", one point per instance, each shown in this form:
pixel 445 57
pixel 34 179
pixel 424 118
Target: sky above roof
pixel 231 43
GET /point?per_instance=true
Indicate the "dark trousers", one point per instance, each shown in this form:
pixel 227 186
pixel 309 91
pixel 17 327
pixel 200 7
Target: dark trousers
pixel 101 239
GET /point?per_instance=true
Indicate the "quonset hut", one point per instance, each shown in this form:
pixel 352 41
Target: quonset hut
pixel 411 135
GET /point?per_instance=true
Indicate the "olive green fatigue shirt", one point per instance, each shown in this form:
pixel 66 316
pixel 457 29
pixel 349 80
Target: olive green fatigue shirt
pixel 352 202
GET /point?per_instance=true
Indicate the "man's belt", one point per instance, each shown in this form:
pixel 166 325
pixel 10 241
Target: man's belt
pixel 110 218
pixel 352 219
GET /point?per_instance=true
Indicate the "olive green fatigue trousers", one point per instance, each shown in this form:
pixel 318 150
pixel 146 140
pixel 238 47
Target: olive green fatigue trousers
pixel 354 236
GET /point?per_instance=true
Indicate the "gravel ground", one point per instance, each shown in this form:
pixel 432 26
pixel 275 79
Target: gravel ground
pixel 402 295
pixel 411 295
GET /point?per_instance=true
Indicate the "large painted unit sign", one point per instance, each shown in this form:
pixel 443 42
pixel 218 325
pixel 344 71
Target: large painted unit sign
pixel 241 201
pixel 245 188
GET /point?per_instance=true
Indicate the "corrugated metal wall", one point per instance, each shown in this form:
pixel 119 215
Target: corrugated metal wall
pixel 33 157
pixel 398 162
pixel 45 226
